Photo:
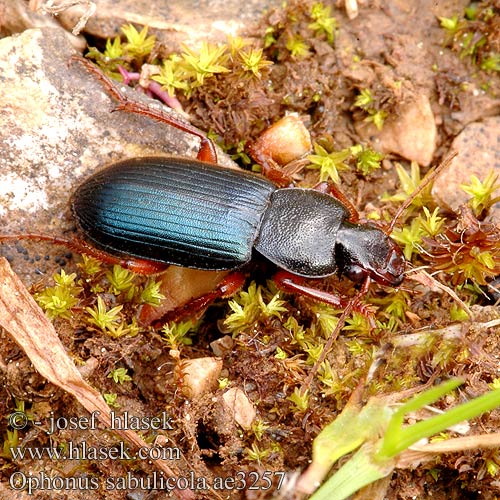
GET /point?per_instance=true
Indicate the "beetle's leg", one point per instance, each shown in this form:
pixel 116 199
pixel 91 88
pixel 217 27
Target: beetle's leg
pixel 140 266
pixel 207 149
pixel 136 265
pixel 270 168
pixel 294 284
pixel 227 287
pixel 283 143
pixel 331 189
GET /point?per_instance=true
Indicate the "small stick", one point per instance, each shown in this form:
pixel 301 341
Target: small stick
pixel 425 182
pixel 333 337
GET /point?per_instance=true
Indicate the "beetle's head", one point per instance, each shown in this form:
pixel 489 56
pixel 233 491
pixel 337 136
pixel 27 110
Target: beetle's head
pixel 363 251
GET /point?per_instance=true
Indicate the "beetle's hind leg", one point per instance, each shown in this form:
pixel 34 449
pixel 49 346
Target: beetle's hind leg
pixel 140 266
pixel 207 149
pixel 193 307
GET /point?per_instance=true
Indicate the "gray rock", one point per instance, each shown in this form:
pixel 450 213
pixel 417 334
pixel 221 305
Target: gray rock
pixel 172 22
pixel 17 16
pixel 56 128
pixel 478 148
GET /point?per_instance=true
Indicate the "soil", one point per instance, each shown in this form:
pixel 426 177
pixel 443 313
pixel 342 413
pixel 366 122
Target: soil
pixel 400 53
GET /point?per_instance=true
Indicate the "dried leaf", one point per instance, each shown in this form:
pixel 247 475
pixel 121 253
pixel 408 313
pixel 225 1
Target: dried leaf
pixel 23 319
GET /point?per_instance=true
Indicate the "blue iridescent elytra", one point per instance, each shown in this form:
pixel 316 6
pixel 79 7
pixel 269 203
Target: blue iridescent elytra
pixel 173 210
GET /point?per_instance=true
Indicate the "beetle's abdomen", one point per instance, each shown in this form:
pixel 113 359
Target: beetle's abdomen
pixel 173 210
pixel 299 231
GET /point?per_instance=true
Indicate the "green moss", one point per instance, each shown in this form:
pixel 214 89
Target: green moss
pixel 179 334
pixel 120 375
pixel 366 102
pixel 329 163
pixel 324 24
pixel 473 35
pixel 248 306
pixel 59 300
pixel 482 192
pixel 300 400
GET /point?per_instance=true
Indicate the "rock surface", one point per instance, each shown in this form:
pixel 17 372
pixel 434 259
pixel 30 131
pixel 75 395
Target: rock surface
pixel 16 16
pixel 189 21
pixel 172 22
pixel 199 376
pixel 478 148
pixel 222 346
pixel 240 407
pixel 56 128
pixel 411 132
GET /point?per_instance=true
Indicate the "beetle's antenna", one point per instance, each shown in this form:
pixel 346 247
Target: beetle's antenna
pixel 431 175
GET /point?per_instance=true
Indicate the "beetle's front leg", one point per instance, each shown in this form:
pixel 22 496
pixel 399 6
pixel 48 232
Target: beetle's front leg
pixel 332 190
pixel 292 283
pixel 284 143
pixel 270 168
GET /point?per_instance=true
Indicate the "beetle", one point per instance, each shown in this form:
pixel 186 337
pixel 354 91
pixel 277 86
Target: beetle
pixel 191 213
pixel 147 213
pixel 195 214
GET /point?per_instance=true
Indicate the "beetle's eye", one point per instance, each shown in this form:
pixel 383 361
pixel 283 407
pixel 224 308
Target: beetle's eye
pixel 355 273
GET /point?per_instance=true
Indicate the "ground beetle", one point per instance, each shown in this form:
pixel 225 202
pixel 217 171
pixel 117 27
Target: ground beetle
pixel 195 214
pixel 146 213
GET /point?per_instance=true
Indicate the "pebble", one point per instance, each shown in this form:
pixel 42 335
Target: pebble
pixel 238 405
pixel 478 152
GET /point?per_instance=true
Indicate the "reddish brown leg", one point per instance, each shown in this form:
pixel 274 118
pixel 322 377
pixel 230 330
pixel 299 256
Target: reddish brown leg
pixel 140 266
pixel 269 167
pixel 194 307
pixel 350 306
pixel 207 149
pixel 331 189
pixel 294 284
pixel 283 144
